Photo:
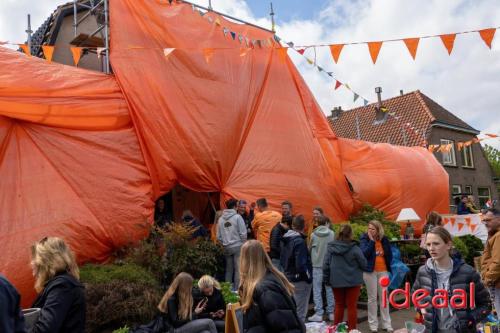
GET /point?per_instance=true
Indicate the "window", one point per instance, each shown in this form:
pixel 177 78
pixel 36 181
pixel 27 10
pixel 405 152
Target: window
pixel 456 189
pixel 467 160
pixel 448 152
pixel 468 189
pixel 483 194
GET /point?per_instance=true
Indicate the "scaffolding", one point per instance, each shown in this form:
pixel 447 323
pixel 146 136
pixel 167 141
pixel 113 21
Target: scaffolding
pixel 99 10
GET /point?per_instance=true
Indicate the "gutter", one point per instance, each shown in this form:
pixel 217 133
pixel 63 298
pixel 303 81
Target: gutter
pixel 454 127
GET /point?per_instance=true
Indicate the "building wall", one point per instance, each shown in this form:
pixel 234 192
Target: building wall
pixel 62 52
pixel 479 176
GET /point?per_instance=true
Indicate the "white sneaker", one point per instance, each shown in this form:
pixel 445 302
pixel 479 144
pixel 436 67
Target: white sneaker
pixel 316 317
pixel 330 317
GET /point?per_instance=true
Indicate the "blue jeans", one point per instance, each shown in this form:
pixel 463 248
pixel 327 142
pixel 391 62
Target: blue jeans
pixel 317 293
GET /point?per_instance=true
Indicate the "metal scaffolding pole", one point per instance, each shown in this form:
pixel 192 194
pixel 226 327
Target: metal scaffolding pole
pixel 29 32
pixel 106 35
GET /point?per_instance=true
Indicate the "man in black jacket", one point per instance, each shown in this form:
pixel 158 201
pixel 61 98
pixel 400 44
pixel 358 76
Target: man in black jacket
pixel 276 241
pixel 11 318
pixel 297 265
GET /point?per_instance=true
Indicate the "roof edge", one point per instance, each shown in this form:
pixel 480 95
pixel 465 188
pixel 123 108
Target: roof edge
pixel 438 123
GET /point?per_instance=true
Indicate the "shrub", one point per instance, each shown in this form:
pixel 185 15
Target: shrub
pixel 229 296
pixel 124 329
pixel 117 295
pixel 460 247
pixel 368 213
pixel 474 247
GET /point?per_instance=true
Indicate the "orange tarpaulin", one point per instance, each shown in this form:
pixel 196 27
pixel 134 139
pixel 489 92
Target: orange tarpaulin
pixel 83 155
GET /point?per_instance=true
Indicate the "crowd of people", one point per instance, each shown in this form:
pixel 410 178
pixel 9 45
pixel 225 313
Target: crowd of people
pixel 274 275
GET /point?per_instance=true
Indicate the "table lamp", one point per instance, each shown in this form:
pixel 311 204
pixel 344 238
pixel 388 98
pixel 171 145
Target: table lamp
pixel 408 215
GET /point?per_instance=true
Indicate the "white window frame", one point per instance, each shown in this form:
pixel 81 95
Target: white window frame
pixel 467 150
pixel 468 189
pixel 479 197
pixel 451 153
pixel 459 189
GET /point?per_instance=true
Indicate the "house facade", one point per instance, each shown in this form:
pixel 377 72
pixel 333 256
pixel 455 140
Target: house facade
pixel 414 119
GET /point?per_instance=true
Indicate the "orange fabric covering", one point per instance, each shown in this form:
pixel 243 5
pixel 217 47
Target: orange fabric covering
pixel 246 126
pixel 70 165
pixel 393 177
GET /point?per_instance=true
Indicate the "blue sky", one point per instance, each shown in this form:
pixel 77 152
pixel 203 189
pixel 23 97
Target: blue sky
pixel 466 83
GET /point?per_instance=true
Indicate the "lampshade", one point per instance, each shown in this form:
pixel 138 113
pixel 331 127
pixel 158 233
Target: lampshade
pixel 407 214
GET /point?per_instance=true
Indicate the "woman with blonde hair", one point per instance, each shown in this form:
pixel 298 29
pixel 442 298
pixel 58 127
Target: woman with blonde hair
pixel 209 292
pixel 378 253
pixel 61 295
pixel 265 294
pixel 177 305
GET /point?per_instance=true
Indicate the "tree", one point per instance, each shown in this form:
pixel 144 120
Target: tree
pixel 493 156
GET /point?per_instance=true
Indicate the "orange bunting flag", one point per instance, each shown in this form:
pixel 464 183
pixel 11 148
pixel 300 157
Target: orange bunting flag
pixel 77 54
pixel 412 45
pixel 492 135
pixel 282 53
pixel 448 41
pixel 337 84
pixel 460 145
pixel 217 21
pixel 460 226
pixel 374 48
pixel 473 227
pixel 487 35
pixel 167 51
pixel 25 49
pixel 208 53
pixel 48 51
pixel 452 221
pixel 335 50
pixel 468 221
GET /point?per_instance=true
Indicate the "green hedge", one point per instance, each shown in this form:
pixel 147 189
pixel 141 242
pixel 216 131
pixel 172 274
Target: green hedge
pixel 95 274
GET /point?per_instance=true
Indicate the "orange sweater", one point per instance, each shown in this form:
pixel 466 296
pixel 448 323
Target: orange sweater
pixel 262 225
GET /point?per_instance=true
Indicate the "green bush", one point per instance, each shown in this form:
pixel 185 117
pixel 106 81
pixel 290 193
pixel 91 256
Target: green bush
pixel 229 296
pixel 95 274
pixel 460 246
pixel 368 213
pixel 474 247
pixel 124 329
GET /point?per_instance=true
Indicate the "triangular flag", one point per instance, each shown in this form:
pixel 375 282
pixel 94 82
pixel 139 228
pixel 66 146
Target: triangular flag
pixel 320 69
pixel 452 221
pixel 168 50
pixel 448 41
pixel 217 21
pixel 244 51
pixel 356 96
pixel 208 53
pixel 301 51
pixel 210 19
pixel 330 74
pixel 309 61
pixel 282 53
pixel 335 51
pixel 276 38
pixel 77 54
pixel 460 226
pixel 233 35
pixel 225 31
pixel 240 38
pixel 290 44
pixel 99 51
pixel 347 86
pixel 468 221
pixel 337 84
pixel 445 221
pixel 491 135
pixel 25 49
pixel 487 35
pixel 374 48
pixel 473 227
pixel 48 51
pixel 365 102
pixel 201 13
pixel 412 45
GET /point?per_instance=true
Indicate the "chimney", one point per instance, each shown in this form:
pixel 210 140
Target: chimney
pixel 378 91
pixel 380 110
pixel 401 92
pixel 336 112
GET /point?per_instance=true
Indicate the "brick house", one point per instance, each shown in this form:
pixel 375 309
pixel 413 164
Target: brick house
pixel 413 119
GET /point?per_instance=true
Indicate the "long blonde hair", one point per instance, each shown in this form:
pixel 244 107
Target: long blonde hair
pixel 254 263
pixel 206 281
pixel 182 286
pixel 49 257
pixel 379 227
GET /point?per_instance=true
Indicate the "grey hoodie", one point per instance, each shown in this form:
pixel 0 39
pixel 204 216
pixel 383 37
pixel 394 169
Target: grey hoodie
pixel 320 238
pixel 446 317
pixel 231 229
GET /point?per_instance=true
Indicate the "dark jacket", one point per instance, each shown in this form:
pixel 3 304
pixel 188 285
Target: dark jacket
pixel 62 304
pixel 462 209
pixel 11 318
pixel 248 218
pixel 215 302
pixel 295 258
pixel 276 240
pixel 461 275
pixel 272 311
pixel 344 264
pixel 172 315
pixel 368 248
pixel 201 231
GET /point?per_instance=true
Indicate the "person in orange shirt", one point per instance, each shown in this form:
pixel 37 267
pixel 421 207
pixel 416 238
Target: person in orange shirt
pixel 377 250
pixel 263 223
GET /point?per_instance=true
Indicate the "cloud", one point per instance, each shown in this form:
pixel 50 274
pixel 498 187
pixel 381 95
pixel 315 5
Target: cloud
pixel 466 83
